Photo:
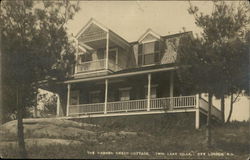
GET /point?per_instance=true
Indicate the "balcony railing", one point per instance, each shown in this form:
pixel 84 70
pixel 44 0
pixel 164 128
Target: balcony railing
pixel 135 105
pixel 113 66
pixel 97 65
pixel 91 65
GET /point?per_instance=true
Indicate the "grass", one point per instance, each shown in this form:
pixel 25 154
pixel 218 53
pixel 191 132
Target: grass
pixel 231 138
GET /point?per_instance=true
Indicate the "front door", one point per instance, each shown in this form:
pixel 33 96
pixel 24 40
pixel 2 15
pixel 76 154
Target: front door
pixel 94 97
pixel 74 97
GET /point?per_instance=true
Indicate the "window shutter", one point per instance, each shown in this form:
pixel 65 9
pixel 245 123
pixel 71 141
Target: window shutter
pixel 140 54
pixel 157 46
pixel 140 49
pixel 157 51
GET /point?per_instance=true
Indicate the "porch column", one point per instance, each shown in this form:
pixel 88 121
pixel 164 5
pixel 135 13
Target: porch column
pixel 171 89
pixel 107 51
pixel 77 54
pixel 106 96
pixel 149 91
pixel 58 104
pixel 197 112
pixel 35 106
pixel 68 100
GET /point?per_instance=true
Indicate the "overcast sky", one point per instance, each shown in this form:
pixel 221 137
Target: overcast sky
pixel 130 19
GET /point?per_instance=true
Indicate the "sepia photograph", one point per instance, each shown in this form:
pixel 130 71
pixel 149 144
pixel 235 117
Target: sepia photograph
pixel 138 79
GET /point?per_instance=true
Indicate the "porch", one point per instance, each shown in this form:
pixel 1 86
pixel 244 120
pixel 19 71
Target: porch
pixel 133 94
pixel 194 104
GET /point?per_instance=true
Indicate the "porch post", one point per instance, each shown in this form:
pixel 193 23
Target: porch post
pixel 58 104
pixel 107 51
pixel 171 89
pixel 68 100
pixel 106 96
pixel 77 54
pixel 149 91
pixel 35 107
pixel 197 112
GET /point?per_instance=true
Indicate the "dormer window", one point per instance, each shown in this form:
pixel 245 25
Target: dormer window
pixel 148 53
pixel 148 48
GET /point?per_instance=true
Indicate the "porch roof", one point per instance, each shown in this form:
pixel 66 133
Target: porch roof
pixel 127 72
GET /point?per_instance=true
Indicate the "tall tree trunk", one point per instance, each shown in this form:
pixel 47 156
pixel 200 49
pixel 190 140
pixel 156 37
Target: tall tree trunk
pixel 1 103
pixel 208 128
pixel 20 134
pixel 231 108
pixel 222 105
pixel 35 108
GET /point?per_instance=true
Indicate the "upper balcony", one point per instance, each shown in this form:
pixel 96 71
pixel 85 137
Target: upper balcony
pixel 96 65
pixel 100 49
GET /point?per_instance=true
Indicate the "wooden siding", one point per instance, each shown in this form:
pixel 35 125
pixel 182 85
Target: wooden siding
pixel 92 33
pixel 149 37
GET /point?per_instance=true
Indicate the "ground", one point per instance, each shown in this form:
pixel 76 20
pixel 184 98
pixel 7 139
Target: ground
pixel 58 138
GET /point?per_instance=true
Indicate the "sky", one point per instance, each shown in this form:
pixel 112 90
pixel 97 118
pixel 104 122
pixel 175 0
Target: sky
pixel 130 19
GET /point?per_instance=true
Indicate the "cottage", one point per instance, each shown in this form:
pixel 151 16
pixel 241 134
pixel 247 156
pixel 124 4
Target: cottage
pixel 113 77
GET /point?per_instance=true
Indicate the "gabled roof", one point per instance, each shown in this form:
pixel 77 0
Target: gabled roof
pixel 90 22
pixel 149 32
pixel 177 34
pixel 167 36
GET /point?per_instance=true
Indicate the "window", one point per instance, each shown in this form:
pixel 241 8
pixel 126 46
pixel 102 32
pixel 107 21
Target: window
pixel 94 97
pixel 148 48
pixel 124 94
pixel 113 55
pixel 152 91
pixel 86 57
pixel 148 53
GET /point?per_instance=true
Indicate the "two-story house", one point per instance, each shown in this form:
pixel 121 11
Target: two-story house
pixel 114 77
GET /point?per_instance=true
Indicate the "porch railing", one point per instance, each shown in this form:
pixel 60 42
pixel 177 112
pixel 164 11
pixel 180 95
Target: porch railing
pixel 184 102
pixel 86 108
pixel 168 103
pixel 160 103
pixel 173 102
pixel 134 105
pixel 131 105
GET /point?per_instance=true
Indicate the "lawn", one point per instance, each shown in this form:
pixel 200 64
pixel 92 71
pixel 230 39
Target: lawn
pixel 57 138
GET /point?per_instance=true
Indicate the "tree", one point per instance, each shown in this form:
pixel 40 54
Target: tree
pixel 33 37
pixel 48 102
pixel 225 29
pixel 217 59
pixel 196 71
